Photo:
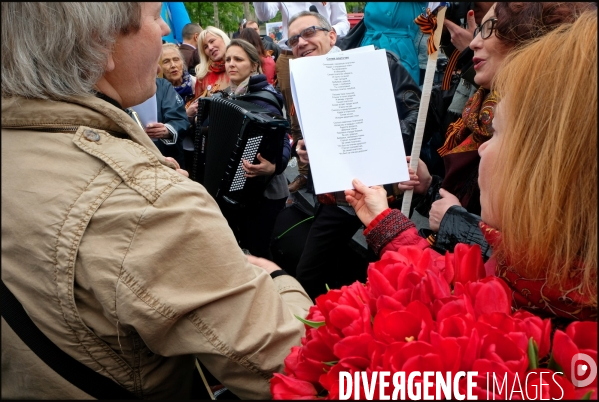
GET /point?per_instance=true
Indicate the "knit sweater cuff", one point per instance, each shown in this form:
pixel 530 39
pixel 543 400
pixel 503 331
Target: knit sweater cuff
pixel 385 227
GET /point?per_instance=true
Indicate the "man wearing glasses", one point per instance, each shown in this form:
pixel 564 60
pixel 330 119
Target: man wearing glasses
pixel 335 221
pixel 336 16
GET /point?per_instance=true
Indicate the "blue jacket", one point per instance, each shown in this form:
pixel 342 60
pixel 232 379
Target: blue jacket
pixel 391 26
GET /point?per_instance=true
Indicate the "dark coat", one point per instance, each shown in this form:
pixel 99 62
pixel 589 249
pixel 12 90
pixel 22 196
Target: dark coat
pixel 191 56
pixel 171 111
pixel 258 83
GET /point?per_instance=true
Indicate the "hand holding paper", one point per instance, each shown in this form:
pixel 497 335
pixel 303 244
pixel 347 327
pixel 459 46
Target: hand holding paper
pixel 368 202
pixel 346 110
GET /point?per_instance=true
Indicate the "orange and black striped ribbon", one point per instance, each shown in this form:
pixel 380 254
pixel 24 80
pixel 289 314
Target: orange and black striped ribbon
pixel 451 137
pixel 449 69
pixel 428 24
pixel 432 239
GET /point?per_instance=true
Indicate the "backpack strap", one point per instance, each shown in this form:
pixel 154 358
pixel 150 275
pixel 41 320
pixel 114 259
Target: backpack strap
pixel 72 370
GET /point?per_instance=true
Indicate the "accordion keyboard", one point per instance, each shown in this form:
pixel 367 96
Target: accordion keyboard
pixel 249 153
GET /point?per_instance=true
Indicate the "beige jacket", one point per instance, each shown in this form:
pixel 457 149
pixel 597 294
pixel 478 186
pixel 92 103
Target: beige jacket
pixel 126 265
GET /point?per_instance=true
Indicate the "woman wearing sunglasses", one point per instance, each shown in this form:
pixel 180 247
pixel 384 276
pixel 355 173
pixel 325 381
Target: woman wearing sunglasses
pixel 452 203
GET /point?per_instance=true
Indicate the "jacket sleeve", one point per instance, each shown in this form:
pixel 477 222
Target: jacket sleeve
pixel 339 19
pixel 265 11
pixel 187 288
pixel 282 165
pixel 423 202
pixel 460 226
pixel 407 99
pixel 172 106
pixel 390 230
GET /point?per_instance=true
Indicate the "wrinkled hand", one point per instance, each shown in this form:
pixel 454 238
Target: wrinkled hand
pixel 419 181
pixel 302 152
pixel 263 263
pixel 192 110
pixel 440 207
pixel 461 37
pixel 157 131
pixel 264 168
pixel 177 167
pixel 368 202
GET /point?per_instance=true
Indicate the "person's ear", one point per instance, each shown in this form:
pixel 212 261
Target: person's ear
pixel 333 37
pixel 109 63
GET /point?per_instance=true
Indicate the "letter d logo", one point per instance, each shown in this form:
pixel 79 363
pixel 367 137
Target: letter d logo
pixel 580 370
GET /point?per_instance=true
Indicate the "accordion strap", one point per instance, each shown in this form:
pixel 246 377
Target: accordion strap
pixel 265 96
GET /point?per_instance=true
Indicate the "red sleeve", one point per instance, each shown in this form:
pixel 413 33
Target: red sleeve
pixel 390 230
pixel 268 65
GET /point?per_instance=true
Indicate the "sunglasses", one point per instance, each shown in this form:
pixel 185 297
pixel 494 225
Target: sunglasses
pixel 306 34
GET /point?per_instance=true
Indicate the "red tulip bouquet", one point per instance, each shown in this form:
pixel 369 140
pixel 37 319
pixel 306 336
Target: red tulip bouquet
pixel 422 312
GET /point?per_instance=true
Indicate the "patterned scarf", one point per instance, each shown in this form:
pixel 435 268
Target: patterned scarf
pixel 566 301
pixel 217 66
pixel 474 127
pixel 242 88
pixel 185 90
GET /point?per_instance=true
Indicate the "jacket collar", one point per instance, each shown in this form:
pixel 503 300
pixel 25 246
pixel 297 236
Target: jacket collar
pixel 89 111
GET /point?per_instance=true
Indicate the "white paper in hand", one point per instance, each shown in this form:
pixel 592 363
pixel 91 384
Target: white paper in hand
pixel 147 111
pixel 346 109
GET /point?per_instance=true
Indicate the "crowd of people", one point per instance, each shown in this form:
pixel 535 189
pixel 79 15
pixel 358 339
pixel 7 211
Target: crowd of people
pixel 133 270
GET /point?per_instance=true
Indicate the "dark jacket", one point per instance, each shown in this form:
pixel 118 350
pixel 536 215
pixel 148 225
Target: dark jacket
pixel 457 226
pixel 171 112
pixel 270 45
pixel 192 57
pixel 407 100
pixel 256 84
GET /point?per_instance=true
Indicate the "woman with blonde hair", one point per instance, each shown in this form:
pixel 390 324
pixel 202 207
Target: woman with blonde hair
pixel 539 209
pixel 210 73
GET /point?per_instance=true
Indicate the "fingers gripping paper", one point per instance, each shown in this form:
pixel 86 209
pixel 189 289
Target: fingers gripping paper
pixel 346 109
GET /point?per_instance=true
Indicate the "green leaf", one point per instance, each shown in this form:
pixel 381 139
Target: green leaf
pixel 327 286
pixel 533 354
pixel 552 364
pixel 331 363
pixel 587 396
pixel 313 324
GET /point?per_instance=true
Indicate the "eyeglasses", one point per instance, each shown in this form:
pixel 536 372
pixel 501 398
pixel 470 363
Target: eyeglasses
pixel 486 29
pixel 306 34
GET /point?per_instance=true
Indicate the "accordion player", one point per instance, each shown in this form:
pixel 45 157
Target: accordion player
pixel 232 129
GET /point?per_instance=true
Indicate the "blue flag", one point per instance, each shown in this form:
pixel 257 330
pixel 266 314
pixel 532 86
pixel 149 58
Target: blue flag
pixel 176 16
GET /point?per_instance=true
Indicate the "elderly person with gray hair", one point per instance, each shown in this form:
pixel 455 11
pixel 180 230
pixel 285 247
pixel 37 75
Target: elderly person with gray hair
pixel 125 268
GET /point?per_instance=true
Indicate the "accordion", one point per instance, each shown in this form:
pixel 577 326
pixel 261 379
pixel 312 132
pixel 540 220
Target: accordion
pixel 228 131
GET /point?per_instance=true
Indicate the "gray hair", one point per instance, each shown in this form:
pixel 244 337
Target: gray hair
pixel 321 19
pixel 250 50
pixel 204 65
pixel 166 46
pixel 190 29
pixel 60 50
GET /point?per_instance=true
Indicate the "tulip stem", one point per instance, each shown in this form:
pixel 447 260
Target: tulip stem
pixel 533 354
